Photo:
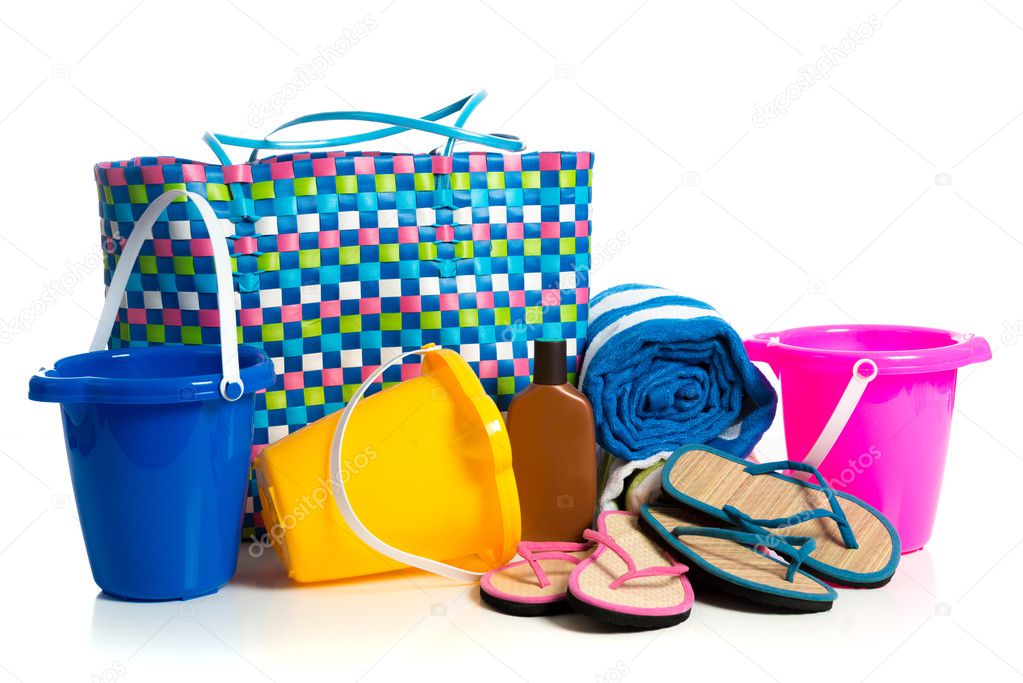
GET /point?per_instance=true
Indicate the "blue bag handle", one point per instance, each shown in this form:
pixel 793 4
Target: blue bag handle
pixel 399 124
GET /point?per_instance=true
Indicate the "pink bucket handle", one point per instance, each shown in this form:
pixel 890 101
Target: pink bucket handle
pixel 977 350
pixel 759 349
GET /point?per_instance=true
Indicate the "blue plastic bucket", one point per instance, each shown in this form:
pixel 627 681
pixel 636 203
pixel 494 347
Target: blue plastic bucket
pixel 159 439
pixel 159 463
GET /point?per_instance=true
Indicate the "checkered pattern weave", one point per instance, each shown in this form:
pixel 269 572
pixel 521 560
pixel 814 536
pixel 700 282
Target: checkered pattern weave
pixel 343 259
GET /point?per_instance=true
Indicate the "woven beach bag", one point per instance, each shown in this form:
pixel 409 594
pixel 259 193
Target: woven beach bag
pixel 345 259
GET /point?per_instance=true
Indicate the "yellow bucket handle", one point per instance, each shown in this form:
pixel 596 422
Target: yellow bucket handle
pixel 344 505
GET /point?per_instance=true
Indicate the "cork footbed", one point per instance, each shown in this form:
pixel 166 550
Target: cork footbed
pixel 518 579
pixel 736 559
pixel 716 481
pixel 652 592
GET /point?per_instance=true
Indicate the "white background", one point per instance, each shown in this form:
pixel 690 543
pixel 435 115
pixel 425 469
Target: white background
pixel 888 192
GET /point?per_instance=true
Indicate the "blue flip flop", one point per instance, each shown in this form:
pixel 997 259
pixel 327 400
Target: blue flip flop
pixel 854 544
pixel 738 561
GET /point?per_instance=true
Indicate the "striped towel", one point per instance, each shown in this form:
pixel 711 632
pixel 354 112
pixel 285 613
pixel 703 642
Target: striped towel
pixel 662 371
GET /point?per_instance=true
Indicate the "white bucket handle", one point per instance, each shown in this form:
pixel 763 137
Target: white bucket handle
pixel 344 505
pixel 142 231
pixel 843 411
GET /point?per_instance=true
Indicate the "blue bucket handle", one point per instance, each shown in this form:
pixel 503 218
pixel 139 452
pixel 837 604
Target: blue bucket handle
pixel 231 386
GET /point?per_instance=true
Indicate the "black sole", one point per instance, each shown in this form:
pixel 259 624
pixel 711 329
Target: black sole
pixel 632 621
pixel 698 575
pixel 524 609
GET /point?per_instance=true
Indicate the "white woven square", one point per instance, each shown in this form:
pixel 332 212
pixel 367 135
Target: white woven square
pixel 267 225
pixel 308 222
pixel 351 358
pixel 350 291
pixel 188 301
pixel 348 220
pixel 391 287
pixel 179 230
pixel 429 286
pixel 269 298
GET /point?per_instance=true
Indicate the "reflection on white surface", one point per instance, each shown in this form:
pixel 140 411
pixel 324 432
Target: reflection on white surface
pixel 375 627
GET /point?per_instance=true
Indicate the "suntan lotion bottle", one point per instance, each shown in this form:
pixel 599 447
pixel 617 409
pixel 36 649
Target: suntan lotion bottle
pixel 550 424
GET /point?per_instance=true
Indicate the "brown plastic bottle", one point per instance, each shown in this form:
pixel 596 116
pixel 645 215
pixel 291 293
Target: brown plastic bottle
pixel 550 424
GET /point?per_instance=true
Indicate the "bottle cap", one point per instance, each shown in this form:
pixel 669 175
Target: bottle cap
pixel 549 361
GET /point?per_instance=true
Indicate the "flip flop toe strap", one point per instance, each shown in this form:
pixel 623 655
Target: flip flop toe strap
pixel 534 551
pixel 836 513
pixel 793 548
pixel 633 572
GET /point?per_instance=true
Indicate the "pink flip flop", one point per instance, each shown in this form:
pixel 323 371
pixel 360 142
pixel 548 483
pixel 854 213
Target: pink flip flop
pixel 537 584
pixel 629 580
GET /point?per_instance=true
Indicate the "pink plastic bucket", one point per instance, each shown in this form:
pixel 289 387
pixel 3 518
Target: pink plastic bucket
pixel 891 452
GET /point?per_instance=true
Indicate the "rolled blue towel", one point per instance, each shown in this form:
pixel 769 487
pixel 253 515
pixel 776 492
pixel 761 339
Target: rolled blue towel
pixel 663 370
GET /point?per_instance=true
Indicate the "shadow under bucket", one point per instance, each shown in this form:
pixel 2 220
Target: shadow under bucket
pixel 159 463
pixel 891 452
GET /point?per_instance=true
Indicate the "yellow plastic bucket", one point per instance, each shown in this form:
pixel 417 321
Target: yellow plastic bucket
pixel 421 471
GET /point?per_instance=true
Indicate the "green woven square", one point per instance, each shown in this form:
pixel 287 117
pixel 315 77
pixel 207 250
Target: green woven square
pixel 191 334
pixel 309 258
pixel 390 321
pixel 534 315
pixel 273 332
pixel 531 246
pixel 464 249
pixel 427 251
pixel 502 316
pixel 566 178
pixel 505 386
pixel 137 194
pixel 349 256
pixel 495 180
pixel 569 313
pixel 312 328
pixel 263 190
pixel 530 180
pixel 348 391
pixel 429 320
pixel 184 265
pixel 385 182
pixel 305 187
pixel 147 265
pixel 351 323
pixel 566 245
pixel 271 260
pixel 389 253
pixel 499 248
pixel 108 196
pixel 125 331
pixel 276 400
pixel 424 182
pixel 468 317
pixel 215 192
pixel 156 333
pixel 459 181
pixel 313 396
pixel 346 184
